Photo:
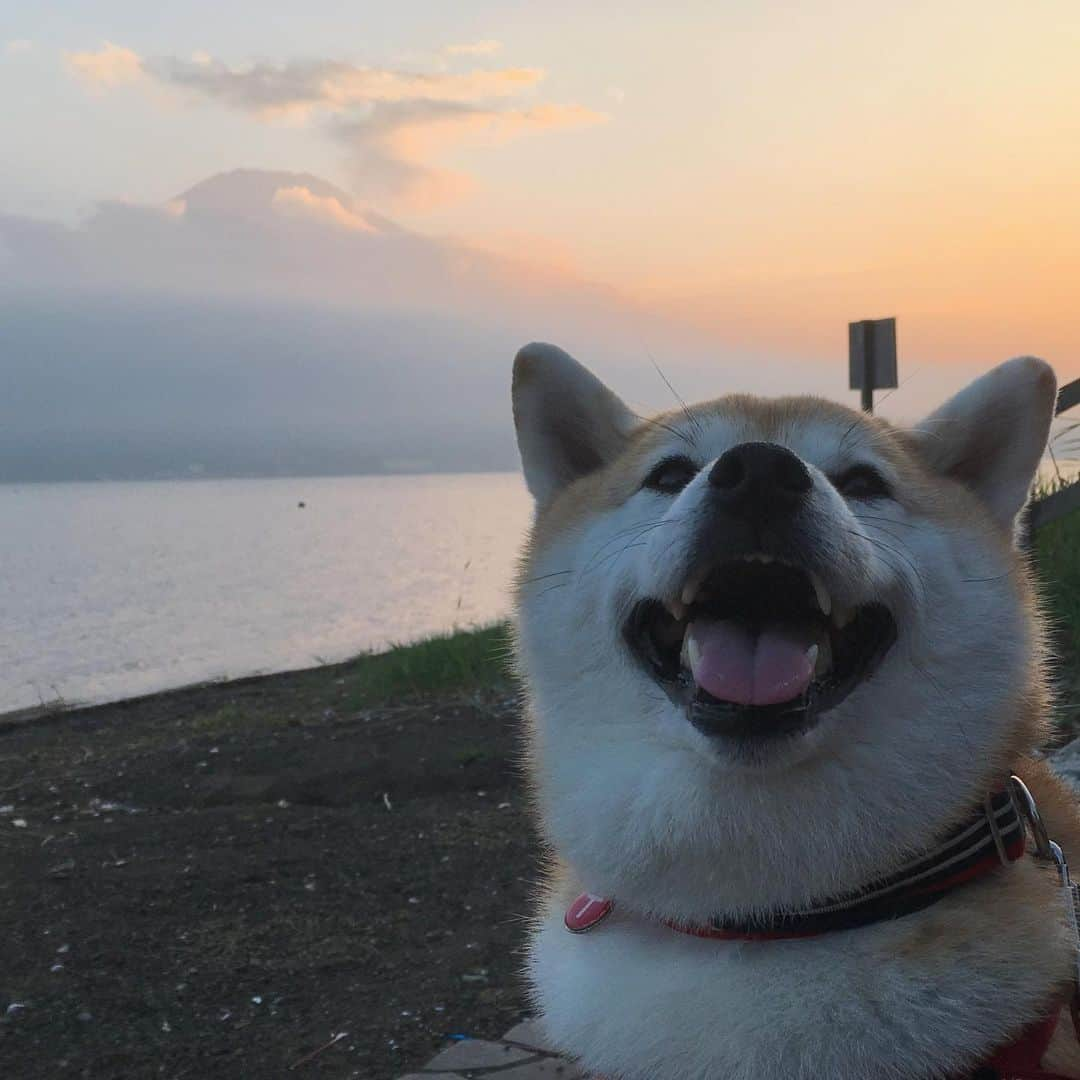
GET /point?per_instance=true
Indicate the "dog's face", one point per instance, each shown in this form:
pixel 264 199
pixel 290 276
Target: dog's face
pixel 769 645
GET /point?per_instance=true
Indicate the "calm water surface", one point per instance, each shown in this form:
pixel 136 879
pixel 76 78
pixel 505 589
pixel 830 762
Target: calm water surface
pixel 109 590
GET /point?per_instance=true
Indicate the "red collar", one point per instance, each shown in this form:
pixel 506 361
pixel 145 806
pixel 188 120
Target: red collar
pixel 994 836
pixel 1022 1060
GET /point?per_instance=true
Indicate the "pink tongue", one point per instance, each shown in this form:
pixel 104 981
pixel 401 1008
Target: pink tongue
pixel 733 664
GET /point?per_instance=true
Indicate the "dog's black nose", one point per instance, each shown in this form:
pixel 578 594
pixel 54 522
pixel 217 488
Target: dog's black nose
pixel 759 479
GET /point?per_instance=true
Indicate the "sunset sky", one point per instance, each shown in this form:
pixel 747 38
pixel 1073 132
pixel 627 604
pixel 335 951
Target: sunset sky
pixel 763 171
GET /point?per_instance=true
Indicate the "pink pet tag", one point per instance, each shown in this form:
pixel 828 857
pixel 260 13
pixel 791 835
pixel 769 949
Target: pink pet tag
pixel 586 911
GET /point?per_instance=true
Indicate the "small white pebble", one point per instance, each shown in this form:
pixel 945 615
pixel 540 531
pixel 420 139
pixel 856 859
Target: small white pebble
pixel 19 822
pixel 257 999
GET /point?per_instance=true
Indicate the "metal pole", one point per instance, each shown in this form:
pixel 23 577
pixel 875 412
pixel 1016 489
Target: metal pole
pixel 868 370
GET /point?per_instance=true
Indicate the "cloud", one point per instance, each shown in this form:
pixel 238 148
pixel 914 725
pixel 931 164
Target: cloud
pixel 18 45
pixel 474 48
pixel 396 124
pixel 393 147
pixel 299 202
pixel 303 88
pixel 110 66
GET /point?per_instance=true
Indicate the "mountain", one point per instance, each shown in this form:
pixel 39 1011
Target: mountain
pixel 265 322
pixel 244 192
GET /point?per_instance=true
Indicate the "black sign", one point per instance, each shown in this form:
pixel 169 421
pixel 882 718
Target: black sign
pixel 872 354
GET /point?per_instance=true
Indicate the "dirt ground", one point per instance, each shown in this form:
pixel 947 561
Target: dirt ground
pixel 219 882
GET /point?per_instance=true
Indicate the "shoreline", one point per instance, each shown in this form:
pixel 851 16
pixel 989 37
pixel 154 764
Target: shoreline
pixel 421 666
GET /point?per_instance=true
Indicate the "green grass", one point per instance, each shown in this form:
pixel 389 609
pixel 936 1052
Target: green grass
pixel 465 660
pixel 1057 555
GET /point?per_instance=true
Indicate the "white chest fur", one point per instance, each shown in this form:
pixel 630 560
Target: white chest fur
pixel 921 997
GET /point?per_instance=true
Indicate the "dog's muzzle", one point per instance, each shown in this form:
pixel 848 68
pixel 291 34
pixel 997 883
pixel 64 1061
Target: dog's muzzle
pixel 753 647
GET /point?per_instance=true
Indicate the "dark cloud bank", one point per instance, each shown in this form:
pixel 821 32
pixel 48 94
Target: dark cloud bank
pixel 264 325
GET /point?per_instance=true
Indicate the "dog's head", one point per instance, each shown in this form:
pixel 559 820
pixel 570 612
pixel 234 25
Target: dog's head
pixel 770 645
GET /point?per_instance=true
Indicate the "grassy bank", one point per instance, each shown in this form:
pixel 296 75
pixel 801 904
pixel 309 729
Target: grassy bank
pixel 471 659
pixel 1057 556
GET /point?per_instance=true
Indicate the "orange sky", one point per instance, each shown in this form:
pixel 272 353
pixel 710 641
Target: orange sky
pixel 768 171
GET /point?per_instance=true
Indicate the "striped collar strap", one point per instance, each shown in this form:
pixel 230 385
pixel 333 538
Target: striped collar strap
pixel 995 836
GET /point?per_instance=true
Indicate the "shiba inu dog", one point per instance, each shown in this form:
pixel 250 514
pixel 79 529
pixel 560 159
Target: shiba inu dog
pixel 781 660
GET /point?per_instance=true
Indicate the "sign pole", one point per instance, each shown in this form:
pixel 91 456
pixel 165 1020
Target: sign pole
pixel 871 358
pixel 868 368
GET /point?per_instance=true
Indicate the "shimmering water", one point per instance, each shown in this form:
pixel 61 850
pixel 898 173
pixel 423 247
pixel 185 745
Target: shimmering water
pixel 109 590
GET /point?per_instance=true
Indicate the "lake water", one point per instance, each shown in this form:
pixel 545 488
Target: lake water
pixel 109 590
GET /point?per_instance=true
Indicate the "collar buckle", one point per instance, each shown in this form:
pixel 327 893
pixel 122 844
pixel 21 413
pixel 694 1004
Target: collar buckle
pixel 1047 850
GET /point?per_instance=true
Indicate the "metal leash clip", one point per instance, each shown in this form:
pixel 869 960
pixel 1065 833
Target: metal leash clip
pixel 1049 851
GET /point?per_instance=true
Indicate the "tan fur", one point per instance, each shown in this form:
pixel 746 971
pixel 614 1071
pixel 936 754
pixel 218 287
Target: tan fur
pixel 1026 896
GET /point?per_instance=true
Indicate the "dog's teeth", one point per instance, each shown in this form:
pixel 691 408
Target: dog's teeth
pixel 812 657
pixel 823 598
pixel 822 656
pixel 690 589
pixel 677 609
pixel 843 616
pixel 690 652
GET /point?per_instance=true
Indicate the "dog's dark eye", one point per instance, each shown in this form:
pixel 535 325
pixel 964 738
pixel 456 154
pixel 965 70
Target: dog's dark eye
pixel 671 475
pixel 862 482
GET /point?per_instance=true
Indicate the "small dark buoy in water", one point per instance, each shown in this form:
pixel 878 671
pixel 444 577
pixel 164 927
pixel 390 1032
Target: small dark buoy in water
pixel 301 504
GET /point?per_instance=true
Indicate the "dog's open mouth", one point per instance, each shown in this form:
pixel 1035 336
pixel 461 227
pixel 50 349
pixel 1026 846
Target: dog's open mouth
pixel 757 649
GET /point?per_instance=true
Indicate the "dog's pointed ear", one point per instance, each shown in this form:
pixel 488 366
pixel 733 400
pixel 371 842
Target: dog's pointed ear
pixel 568 422
pixel 992 435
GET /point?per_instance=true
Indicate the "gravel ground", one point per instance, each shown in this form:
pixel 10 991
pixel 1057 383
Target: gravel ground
pixel 254 879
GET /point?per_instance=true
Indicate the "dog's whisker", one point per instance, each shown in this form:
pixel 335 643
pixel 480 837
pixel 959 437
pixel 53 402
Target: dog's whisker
pixel 887 520
pixel 638 530
pixel 550 588
pixel 654 421
pixel 544 577
pixel 695 424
